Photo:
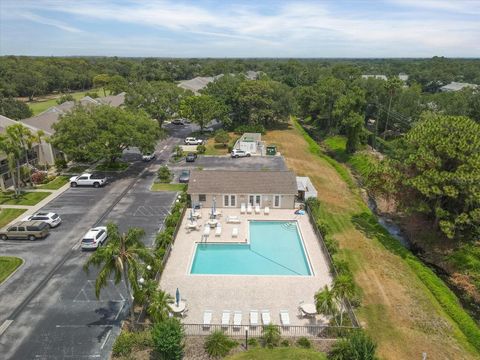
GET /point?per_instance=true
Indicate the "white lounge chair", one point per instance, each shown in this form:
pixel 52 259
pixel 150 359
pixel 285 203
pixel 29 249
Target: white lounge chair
pixel 207 318
pixel 218 230
pixel 206 231
pixel 266 317
pixel 285 317
pixel 257 209
pixel 237 319
pixel 266 211
pixel 242 208
pixel 253 317
pixel 233 220
pixel 235 232
pixel 249 208
pixel 226 318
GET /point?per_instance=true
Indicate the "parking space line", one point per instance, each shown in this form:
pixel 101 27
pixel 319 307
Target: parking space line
pixel 120 310
pixel 5 326
pixel 106 338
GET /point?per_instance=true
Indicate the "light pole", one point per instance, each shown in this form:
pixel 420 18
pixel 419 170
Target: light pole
pixel 246 337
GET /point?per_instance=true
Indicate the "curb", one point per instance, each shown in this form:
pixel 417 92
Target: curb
pixel 32 209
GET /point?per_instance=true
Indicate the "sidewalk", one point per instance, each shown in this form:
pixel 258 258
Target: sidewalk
pixel 34 208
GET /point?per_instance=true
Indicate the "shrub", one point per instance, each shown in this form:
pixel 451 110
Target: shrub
pixel 252 342
pixel 218 344
pixel 322 227
pixel 201 149
pixel 230 148
pixel 64 98
pixel 271 336
pixel 222 137
pixel 356 346
pixel 164 174
pixel 168 339
pixel 342 266
pixel 60 163
pixel 250 128
pixel 331 244
pixel 38 177
pixel 304 343
pixel 127 341
pixel 92 94
pixel 285 343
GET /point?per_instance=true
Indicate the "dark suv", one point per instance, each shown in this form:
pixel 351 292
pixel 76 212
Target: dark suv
pixel 28 230
pixel 191 157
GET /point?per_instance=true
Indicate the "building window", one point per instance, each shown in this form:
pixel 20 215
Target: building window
pixel 202 197
pixel 276 201
pixel 229 200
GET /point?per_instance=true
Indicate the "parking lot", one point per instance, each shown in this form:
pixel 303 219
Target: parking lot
pixel 51 300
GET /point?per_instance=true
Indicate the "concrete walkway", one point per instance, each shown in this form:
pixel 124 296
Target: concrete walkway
pixel 34 208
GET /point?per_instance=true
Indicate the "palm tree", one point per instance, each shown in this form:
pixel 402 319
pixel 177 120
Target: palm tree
pixel 159 307
pixel 326 303
pixel 121 257
pixel 343 289
pixel 11 146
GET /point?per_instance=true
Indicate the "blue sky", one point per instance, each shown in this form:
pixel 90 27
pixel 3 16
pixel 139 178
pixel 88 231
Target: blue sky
pixel 177 28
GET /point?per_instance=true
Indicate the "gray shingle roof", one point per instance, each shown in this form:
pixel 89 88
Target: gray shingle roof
pixel 457 86
pixel 242 182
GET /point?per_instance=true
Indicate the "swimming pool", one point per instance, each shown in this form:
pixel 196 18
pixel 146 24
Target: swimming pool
pixel 275 248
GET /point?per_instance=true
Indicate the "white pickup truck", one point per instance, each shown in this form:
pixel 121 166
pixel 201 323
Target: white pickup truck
pixel 88 180
pixel 193 141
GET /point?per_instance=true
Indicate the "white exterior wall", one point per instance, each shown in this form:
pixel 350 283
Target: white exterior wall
pixel 286 201
pixel 249 146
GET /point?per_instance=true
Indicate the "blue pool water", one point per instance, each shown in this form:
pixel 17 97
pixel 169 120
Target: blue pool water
pixel 275 248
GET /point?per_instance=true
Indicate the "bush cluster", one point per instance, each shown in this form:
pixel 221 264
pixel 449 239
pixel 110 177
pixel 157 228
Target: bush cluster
pixel 250 129
pixel 164 174
pixel 217 344
pixel 127 341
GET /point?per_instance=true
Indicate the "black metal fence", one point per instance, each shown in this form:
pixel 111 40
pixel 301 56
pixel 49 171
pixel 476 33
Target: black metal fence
pixel 310 331
pixel 331 264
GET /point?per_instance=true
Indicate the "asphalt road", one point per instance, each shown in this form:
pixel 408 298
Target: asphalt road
pixel 51 300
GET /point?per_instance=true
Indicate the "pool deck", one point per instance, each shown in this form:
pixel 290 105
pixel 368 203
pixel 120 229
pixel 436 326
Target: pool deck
pixel 243 292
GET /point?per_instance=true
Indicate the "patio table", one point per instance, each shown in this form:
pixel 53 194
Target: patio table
pixel 178 309
pixel 308 309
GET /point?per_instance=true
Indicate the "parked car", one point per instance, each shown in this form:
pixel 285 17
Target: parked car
pixel 28 230
pixel 193 141
pixel 236 153
pixel 88 180
pixel 95 237
pixel 51 218
pixel 149 157
pixel 178 122
pixel 184 176
pixel 191 157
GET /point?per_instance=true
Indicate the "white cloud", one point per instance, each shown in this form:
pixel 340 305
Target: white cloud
pixel 306 28
pixel 51 22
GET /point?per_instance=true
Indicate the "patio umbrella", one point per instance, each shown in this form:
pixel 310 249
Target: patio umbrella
pixel 191 215
pixel 177 296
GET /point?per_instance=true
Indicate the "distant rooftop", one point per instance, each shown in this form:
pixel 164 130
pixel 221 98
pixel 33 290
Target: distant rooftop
pixel 457 86
pixel 381 77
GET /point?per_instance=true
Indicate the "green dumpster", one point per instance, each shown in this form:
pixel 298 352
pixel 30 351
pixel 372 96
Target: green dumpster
pixel 271 150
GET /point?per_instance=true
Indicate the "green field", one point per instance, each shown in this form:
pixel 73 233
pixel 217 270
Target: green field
pixel 278 354
pixel 8 215
pixel 55 184
pixel 168 187
pixel 27 198
pixel 8 264
pixel 40 105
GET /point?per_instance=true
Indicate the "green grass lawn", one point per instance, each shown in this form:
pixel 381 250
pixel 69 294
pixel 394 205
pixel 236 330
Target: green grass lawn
pixel 278 354
pixel 40 105
pixel 117 166
pixel 8 215
pixel 8 264
pixel 167 187
pixel 27 198
pixel 55 184
pixel 76 169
